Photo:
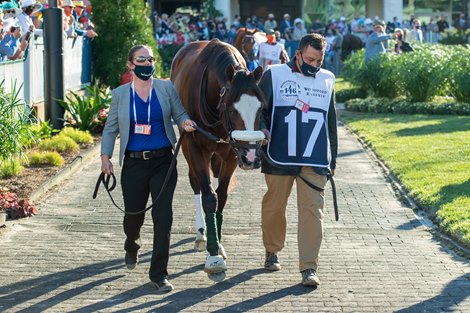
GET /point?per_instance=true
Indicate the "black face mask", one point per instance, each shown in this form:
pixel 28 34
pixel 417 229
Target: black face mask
pixel 307 69
pixel 144 72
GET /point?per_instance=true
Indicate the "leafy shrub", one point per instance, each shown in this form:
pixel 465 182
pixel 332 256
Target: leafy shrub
pixel 85 110
pixel 352 69
pixel 167 53
pixel 15 119
pixel 347 94
pixel 398 106
pixel 59 143
pixel 421 71
pixel 45 158
pixel 458 72
pixel 455 37
pixel 79 136
pixel 121 25
pixel 10 168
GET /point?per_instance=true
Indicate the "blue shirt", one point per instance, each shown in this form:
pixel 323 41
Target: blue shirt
pixel 157 138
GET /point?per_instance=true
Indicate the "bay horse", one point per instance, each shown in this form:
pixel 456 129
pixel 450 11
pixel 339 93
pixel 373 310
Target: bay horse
pixel 245 42
pixel 223 98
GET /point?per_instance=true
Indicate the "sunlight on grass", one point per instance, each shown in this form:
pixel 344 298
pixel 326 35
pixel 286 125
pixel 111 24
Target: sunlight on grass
pixel 430 155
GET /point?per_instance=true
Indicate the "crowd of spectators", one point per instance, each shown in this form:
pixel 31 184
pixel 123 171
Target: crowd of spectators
pixel 21 19
pixel 181 28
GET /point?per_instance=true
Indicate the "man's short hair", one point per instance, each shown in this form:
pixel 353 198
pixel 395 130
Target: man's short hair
pixel 313 40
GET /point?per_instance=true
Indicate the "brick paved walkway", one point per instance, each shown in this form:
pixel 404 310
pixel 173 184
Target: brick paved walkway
pixel 377 258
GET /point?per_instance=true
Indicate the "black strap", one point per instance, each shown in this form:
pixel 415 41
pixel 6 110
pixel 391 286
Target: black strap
pixel 333 190
pixel 104 179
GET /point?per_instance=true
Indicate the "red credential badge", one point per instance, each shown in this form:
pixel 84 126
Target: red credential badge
pixel 302 106
pixel 142 129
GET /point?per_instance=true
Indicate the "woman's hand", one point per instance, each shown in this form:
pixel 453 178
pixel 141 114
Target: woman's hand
pixel 106 165
pixel 189 126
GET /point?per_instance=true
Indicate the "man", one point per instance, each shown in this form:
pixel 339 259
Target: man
pixel 442 24
pixel 415 36
pixel 377 42
pixel 300 125
pixel 26 22
pixel 271 52
pixel 285 24
pixel 79 17
pixel 270 22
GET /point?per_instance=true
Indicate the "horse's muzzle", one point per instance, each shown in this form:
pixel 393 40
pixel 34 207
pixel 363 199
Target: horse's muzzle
pixel 247 146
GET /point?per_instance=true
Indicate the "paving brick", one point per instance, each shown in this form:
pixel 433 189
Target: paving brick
pixel 377 258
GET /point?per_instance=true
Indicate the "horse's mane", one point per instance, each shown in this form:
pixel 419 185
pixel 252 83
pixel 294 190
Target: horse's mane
pixel 217 56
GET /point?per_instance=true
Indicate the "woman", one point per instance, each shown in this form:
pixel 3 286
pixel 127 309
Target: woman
pixel 141 113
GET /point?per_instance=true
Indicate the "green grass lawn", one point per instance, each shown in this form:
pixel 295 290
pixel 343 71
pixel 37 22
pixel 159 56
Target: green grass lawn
pixel 430 155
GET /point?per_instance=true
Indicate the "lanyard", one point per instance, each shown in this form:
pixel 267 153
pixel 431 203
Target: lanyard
pixel 149 100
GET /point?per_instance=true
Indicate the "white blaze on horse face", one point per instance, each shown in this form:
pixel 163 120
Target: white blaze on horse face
pixel 248 107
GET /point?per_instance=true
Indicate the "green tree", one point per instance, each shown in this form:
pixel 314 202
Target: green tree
pixel 209 10
pixel 120 24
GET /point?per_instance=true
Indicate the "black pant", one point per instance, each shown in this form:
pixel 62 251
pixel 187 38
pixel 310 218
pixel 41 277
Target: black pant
pixel 140 178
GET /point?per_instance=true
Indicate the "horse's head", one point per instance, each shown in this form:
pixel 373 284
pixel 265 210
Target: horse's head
pixel 241 102
pixel 245 43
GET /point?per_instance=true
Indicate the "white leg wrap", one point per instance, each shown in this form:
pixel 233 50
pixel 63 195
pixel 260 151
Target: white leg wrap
pixel 216 183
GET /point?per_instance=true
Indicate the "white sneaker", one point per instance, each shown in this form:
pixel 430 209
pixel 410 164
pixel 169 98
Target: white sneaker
pixel 200 242
pixel 222 251
pixel 215 264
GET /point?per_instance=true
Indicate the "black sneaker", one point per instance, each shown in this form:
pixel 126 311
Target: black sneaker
pixel 272 262
pixel 163 285
pixel 310 278
pixel 131 260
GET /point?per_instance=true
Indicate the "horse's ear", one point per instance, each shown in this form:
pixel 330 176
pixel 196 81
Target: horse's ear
pixel 257 73
pixel 230 72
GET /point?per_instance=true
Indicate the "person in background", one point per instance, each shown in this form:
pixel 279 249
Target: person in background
pixel 271 52
pixel 300 87
pixel 442 24
pixel 415 35
pixel 299 29
pixel 285 25
pixel 401 45
pixel 377 42
pixel 10 46
pixel 141 112
pixel 270 23
pixel 81 21
pixel 26 22
pixel 69 19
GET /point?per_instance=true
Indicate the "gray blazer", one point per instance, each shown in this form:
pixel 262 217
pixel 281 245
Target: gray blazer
pixel 118 121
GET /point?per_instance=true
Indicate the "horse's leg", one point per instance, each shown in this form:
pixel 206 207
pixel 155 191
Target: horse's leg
pixel 216 163
pixel 199 223
pixel 199 168
pixel 226 170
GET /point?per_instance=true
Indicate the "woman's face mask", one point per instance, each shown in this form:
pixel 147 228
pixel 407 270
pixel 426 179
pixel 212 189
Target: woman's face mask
pixel 144 72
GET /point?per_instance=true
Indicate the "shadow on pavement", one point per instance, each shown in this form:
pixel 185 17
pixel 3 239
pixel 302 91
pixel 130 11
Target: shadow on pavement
pixel 23 291
pixel 175 301
pixel 455 292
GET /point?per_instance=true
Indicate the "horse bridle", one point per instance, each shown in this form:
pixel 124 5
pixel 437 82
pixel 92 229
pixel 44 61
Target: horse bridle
pixel 234 144
pixel 244 53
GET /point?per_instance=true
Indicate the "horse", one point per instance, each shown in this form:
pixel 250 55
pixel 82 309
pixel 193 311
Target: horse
pixel 245 42
pixel 223 98
pixel 351 43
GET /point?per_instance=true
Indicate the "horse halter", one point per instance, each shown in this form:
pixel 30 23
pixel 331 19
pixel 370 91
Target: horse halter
pixel 238 139
pixel 248 39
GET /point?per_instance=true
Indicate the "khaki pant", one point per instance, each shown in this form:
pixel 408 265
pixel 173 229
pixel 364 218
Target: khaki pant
pixel 310 204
